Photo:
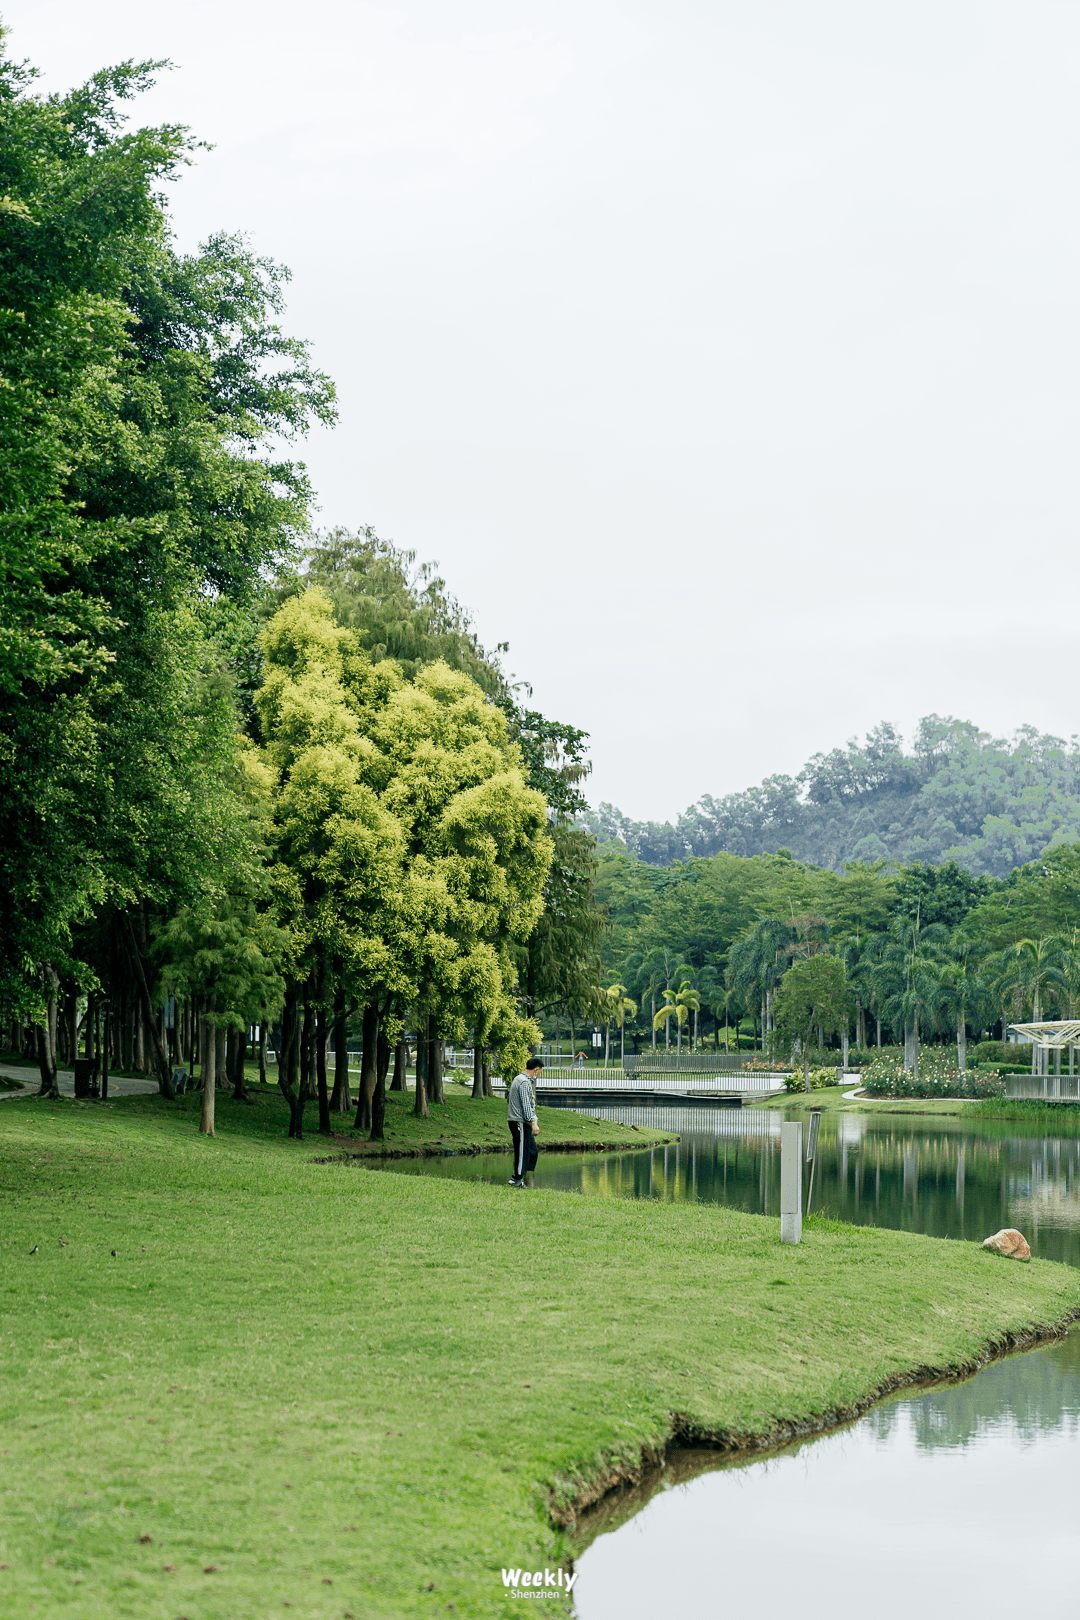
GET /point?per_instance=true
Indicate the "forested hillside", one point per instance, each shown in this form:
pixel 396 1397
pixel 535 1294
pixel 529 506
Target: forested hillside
pixel 988 803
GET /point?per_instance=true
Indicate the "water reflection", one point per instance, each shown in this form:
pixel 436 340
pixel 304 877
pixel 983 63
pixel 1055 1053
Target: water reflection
pixel 955 1500
pixel 930 1174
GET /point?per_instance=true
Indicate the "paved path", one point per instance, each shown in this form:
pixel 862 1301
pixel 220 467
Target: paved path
pixel 31 1079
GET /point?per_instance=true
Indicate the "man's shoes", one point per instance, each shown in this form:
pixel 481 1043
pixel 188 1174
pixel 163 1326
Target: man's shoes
pixel 515 1181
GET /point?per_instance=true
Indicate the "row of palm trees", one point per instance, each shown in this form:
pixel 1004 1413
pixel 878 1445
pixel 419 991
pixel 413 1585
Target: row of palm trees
pixel 914 980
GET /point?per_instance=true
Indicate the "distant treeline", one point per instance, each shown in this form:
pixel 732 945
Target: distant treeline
pixel 988 803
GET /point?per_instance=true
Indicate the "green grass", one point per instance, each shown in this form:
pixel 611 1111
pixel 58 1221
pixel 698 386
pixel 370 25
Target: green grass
pixel 463 1123
pixel 298 1374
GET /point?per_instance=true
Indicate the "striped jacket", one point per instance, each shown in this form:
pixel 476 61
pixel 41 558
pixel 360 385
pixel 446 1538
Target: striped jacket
pixel 521 1102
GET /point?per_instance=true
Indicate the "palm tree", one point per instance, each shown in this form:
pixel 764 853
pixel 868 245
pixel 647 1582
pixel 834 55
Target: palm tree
pixel 678 1004
pixel 908 979
pixel 1028 971
pixel 758 962
pixel 964 990
pixel 689 998
pixel 618 1007
pixel 650 972
pixel 1069 991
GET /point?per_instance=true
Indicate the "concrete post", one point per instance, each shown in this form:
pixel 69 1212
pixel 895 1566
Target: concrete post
pixel 791 1155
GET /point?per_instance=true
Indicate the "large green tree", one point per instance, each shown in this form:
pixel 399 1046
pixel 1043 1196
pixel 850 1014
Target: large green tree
pixel 409 854
pixel 142 482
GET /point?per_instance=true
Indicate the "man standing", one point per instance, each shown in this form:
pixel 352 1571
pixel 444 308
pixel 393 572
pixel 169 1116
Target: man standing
pixel 521 1118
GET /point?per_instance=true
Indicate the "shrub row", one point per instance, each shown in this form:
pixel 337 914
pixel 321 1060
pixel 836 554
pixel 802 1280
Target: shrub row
pixel 939 1076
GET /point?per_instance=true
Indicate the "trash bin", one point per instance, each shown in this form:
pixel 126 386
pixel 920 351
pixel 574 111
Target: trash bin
pixel 85 1077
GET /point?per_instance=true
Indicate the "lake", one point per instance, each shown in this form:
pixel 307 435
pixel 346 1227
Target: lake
pixel 922 1173
pixel 953 1501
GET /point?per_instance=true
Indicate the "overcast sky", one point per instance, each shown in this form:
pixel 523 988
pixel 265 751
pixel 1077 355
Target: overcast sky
pixel 723 352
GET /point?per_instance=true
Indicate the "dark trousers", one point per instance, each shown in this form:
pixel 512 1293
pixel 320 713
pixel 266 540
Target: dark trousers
pixel 525 1149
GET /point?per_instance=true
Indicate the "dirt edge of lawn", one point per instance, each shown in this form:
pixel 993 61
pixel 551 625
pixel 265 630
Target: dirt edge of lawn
pixel 571 1499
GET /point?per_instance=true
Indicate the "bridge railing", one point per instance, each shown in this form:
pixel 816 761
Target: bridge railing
pixel 577 1079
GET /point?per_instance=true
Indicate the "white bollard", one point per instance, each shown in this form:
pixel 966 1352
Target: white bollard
pixel 791 1152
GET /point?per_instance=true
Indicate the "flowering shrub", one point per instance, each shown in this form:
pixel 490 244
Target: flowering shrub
pixel 819 1079
pixel 939 1076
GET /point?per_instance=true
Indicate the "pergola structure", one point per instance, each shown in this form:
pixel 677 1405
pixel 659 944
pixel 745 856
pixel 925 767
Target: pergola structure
pixel 1050 1035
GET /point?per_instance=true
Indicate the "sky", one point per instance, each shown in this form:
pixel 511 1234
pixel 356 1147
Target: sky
pixel 724 353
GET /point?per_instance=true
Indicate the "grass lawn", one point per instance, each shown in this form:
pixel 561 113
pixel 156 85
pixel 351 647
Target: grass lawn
pixel 351 1393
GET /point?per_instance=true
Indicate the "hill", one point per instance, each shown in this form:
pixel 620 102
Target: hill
pixel 988 803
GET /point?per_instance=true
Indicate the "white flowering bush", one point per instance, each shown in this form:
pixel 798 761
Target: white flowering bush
pixel 939 1076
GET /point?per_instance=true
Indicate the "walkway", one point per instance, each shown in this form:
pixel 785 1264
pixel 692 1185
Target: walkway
pixel 31 1080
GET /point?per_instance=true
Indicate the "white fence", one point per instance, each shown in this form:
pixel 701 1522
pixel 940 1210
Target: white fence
pixel 578 1079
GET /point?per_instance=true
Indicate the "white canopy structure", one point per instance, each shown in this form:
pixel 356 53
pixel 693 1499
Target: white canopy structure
pixel 1052 1034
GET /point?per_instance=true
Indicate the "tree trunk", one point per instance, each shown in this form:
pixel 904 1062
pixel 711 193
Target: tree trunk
pixel 307 1050
pixel 239 1059
pixel 435 1063
pixel 401 1064
pixel 477 1065
pixel 262 1046
pixel 341 1102
pixel 844 1046
pixel 289 1062
pixel 126 1031
pixel 71 1022
pixel 161 1057
pixel 420 1106
pixel 91 1029
pixel 378 1096
pixel 46 1041
pixel 961 1041
pixel 322 1040
pixel 652 1009
pixel 208 1069
pixel 103 1044
pixel 369 1067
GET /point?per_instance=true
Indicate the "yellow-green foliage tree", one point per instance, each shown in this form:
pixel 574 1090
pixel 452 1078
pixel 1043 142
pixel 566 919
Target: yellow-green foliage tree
pixel 409 855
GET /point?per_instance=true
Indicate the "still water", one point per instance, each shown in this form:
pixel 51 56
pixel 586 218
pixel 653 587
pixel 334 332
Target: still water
pixel 925 1173
pixel 956 1501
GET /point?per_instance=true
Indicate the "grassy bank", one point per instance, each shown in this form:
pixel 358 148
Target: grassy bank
pixel 355 1393
pixel 461 1124
pixel 831 1100
pixel 1060 1119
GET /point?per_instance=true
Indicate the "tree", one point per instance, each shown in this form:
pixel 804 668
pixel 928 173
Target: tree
pixel 813 991
pixel 408 848
pixel 146 399
pixel 758 962
pixel 678 1004
pixel 1028 971
pixel 398 608
pixel 617 1007
pixel 908 980
pixel 559 964
pixel 228 959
